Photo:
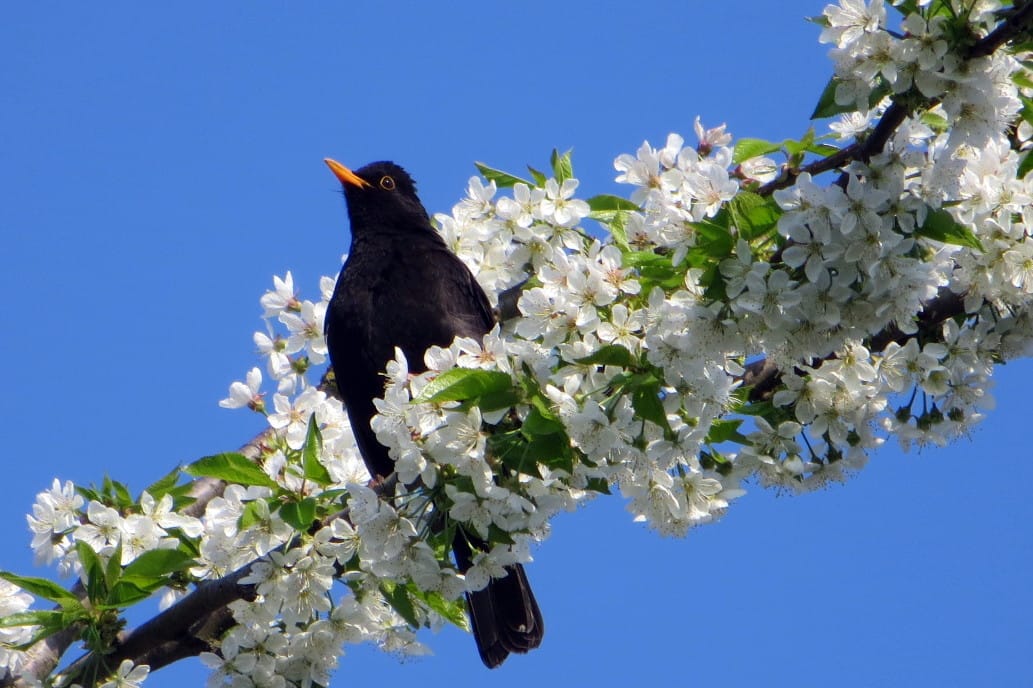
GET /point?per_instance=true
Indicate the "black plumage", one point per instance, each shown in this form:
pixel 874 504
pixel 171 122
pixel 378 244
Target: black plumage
pixel 402 287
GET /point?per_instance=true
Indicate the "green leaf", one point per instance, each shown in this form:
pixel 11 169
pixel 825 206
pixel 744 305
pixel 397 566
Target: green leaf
pixel 714 240
pixel 127 591
pixel 1025 165
pixel 50 621
pixel 1022 80
pixel 513 449
pixel 552 450
pixel 459 384
pixel 158 562
pixel 89 494
pixel 614 221
pixel 753 214
pixel 654 270
pixel 538 423
pixel 40 587
pixel 611 354
pixel 610 203
pixel 828 107
pixel 165 484
pixel 646 402
pixel 496 400
pixel 398 597
pixel 96 583
pixel 521 452
pixel 299 515
pixel 452 611
pixel 941 226
pixel 612 213
pixel 725 431
pixel 562 167
pixel 253 513
pixel 598 485
pixel 113 567
pixel 117 493
pixel 231 467
pixel 497 535
pixel 503 180
pixel 751 148
pixel 538 177
pixel 937 123
pixel 311 453
pixel 42 617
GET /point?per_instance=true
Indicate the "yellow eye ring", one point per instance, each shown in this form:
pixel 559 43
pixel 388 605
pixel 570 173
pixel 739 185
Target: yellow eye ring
pixel 387 183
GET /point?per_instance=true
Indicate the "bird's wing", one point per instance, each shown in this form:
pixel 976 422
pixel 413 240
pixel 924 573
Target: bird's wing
pixel 469 307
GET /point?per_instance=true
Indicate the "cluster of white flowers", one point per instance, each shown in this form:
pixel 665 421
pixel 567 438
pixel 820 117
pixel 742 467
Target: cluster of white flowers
pixel 13 601
pixel 883 300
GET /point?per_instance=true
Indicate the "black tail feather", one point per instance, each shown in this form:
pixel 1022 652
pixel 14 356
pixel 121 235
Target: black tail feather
pixel 504 615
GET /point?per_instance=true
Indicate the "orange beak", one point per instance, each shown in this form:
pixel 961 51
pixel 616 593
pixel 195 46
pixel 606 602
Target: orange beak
pixel 345 175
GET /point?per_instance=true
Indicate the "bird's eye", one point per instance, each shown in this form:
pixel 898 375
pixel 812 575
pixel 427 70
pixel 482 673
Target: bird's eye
pixel 387 183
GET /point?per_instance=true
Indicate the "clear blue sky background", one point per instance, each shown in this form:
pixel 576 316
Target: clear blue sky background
pixel 158 164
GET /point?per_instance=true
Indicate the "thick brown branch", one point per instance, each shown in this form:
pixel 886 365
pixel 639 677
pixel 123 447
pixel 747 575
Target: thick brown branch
pixel 1019 22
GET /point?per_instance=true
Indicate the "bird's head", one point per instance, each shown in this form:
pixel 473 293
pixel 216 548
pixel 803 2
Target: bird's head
pixel 381 198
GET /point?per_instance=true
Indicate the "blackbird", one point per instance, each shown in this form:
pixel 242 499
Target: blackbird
pixel 402 287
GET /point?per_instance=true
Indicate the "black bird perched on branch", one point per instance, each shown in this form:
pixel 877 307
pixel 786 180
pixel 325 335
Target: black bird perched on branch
pixel 402 287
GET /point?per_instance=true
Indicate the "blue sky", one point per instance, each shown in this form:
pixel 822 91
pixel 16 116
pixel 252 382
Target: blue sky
pixel 159 164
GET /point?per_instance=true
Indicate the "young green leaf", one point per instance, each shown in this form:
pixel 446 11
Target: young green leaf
pixel 614 221
pixel 753 214
pixel 299 515
pixel 941 226
pixel 398 597
pixel 938 123
pixel 253 513
pixel 41 587
pixel 714 240
pixel 828 107
pixel 459 384
pixel 538 176
pixel 611 354
pixel 311 453
pixel 552 450
pixel 231 467
pixel 503 180
pixel 452 611
pixel 498 399
pixel 50 621
pixel 117 493
pixel 512 449
pixel 158 562
pixel 113 568
pixel 1025 165
pixel 40 617
pixel 725 431
pixel 96 582
pixel 751 148
pixel 645 399
pixel 537 423
pixel 127 591
pixel 654 269
pixel 610 203
pixel 165 484
pixel 562 166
